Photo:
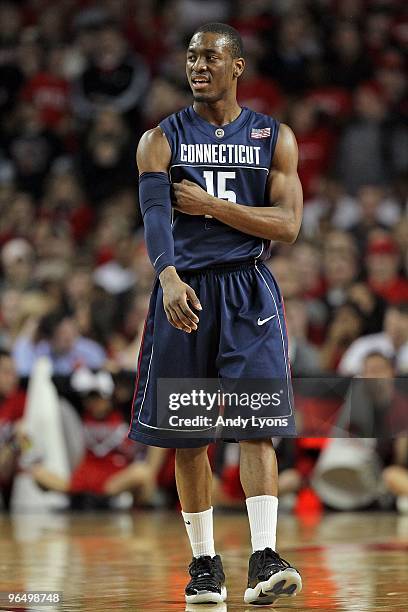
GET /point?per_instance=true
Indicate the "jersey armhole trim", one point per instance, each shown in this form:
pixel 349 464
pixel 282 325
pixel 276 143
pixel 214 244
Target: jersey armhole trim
pixel 274 140
pixel 169 139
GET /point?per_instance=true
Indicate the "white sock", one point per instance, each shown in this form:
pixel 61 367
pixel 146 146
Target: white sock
pixel 199 527
pixel 262 514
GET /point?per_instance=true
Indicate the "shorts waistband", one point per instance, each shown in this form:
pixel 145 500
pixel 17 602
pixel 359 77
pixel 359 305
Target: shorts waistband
pixel 222 268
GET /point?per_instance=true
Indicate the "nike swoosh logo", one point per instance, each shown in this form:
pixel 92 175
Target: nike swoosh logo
pixel 187 522
pixel 262 321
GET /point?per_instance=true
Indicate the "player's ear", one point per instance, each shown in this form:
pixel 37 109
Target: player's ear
pixel 239 65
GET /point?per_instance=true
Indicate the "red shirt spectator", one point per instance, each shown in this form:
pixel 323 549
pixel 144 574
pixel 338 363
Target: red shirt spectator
pixel 383 271
pixel 315 144
pixel 107 451
pixel 12 401
pixel 49 93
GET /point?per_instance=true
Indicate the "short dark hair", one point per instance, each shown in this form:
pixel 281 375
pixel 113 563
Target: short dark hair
pixel 235 43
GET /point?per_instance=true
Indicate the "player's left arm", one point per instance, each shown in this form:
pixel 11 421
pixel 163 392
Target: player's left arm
pixel 279 221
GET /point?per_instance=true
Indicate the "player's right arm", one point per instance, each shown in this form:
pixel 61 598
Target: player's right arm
pixel 153 161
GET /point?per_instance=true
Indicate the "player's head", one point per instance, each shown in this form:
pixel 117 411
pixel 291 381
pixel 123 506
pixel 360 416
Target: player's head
pixel 214 61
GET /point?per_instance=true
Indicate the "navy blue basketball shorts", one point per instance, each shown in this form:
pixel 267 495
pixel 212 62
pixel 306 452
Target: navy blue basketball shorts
pixel 241 336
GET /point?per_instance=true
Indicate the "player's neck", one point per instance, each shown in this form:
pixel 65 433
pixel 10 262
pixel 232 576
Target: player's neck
pixel 218 113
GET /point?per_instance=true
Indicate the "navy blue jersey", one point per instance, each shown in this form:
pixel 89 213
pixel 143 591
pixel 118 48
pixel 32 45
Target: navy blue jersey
pixel 231 162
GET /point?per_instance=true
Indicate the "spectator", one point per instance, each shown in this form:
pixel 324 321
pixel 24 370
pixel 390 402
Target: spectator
pixel 111 463
pixel 52 242
pixel 400 235
pixel 17 260
pixel 374 408
pixel 371 305
pixel 392 80
pixel 346 326
pixel 11 77
pixel 169 90
pixel 303 356
pixel 144 29
pixel 10 302
pixel 12 402
pixel 382 262
pixel 114 78
pixel 56 337
pixel 64 205
pixel 374 211
pixel 330 100
pixel 106 161
pixel 32 149
pixel 255 89
pixel 94 309
pixel 30 53
pixel 349 63
pixel 286 275
pixel 17 308
pixel 48 90
pixel 391 342
pixel 340 267
pixel 10 27
pixel 367 132
pixel 331 208
pixel 377 35
pixel 18 218
pixel 118 275
pixel 51 25
pixel 315 142
pixel 288 60
pixel 306 258
pixel 124 346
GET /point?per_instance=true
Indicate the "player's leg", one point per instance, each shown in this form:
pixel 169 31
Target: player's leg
pixel 193 479
pixel 269 576
pixel 254 347
pixel 168 353
pixel 259 479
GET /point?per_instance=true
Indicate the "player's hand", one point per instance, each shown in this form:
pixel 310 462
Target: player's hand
pixel 191 199
pixel 176 295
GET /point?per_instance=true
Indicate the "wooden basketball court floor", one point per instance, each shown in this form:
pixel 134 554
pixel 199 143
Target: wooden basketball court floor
pixel 136 562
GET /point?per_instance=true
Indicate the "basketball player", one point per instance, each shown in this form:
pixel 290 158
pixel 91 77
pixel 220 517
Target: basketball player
pixel 216 310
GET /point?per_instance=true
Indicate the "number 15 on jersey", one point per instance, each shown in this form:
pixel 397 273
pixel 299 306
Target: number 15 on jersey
pixel 222 192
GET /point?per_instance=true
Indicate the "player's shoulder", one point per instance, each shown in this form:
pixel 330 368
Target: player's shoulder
pixel 152 137
pixel 261 119
pixel 153 150
pixel 175 119
pixel 262 127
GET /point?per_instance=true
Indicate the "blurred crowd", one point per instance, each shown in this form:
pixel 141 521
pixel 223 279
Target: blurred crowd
pixel 81 80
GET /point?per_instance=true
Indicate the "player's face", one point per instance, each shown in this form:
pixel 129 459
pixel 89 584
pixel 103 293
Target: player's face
pixel 211 69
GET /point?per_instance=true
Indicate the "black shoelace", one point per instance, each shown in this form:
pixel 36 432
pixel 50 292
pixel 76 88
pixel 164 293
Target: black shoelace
pixel 202 573
pixel 269 560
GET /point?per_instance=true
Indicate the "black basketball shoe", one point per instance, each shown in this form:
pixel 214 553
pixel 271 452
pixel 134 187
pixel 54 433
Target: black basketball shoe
pixel 207 581
pixel 270 577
